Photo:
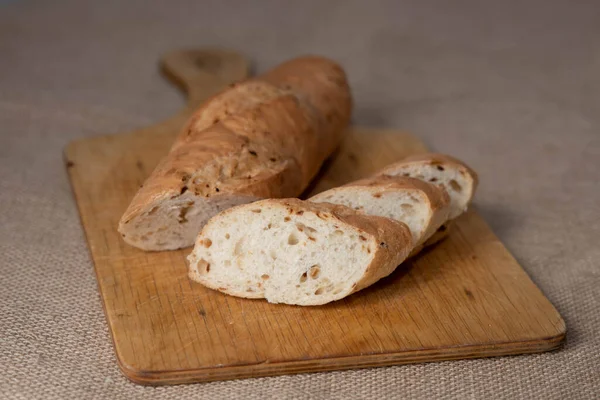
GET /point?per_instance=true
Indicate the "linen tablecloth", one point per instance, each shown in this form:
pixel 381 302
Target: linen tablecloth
pixel 511 87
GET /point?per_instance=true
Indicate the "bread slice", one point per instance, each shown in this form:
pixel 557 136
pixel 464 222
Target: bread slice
pixel 263 138
pixel 420 205
pixel 456 177
pixel 296 252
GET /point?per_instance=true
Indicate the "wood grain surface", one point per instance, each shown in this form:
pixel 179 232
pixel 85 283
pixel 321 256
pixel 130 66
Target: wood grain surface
pixel 466 297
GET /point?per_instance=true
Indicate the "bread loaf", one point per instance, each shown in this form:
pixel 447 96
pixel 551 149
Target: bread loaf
pixel 263 138
pixel 296 252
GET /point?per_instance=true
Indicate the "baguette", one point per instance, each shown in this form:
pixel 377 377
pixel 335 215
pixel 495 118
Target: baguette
pixel 263 138
pixel 422 206
pixel 296 252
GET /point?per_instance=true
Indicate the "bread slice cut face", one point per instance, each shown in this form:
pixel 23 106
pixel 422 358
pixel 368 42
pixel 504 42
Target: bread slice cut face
pixel 296 252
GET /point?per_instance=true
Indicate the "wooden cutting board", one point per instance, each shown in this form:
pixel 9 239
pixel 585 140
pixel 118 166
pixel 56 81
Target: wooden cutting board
pixel 466 297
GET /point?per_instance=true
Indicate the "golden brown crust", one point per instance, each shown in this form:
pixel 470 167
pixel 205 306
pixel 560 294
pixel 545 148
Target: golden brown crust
pixel 394 244
pixel 237 98
pixel 231 165
pixel 439 160
pixel 172 175
pixel 283 127
pixel 324 85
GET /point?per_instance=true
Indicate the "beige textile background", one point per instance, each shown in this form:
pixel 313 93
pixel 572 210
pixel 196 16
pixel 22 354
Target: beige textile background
pixel 512 87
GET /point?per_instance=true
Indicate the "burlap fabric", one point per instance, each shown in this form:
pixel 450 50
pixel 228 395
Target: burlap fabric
pixel 512 88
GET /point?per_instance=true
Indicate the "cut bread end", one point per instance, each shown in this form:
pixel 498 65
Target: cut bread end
pixel 174 223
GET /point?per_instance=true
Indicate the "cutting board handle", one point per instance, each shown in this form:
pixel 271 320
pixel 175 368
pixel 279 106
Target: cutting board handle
pixel 202 73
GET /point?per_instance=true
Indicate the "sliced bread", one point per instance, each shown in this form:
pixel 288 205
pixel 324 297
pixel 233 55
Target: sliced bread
pixel 422 206
pixel 296 252
pixel 456 177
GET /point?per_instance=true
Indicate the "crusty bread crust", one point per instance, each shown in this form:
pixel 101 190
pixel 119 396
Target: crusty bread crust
pixel 263 138
pixel 327 92
pixel 440 161
pixel 395 243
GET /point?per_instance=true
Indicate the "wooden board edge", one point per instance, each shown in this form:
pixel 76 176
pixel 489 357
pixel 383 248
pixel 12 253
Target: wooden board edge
pixel 68 166
pixel 560 323
pixel 158 378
